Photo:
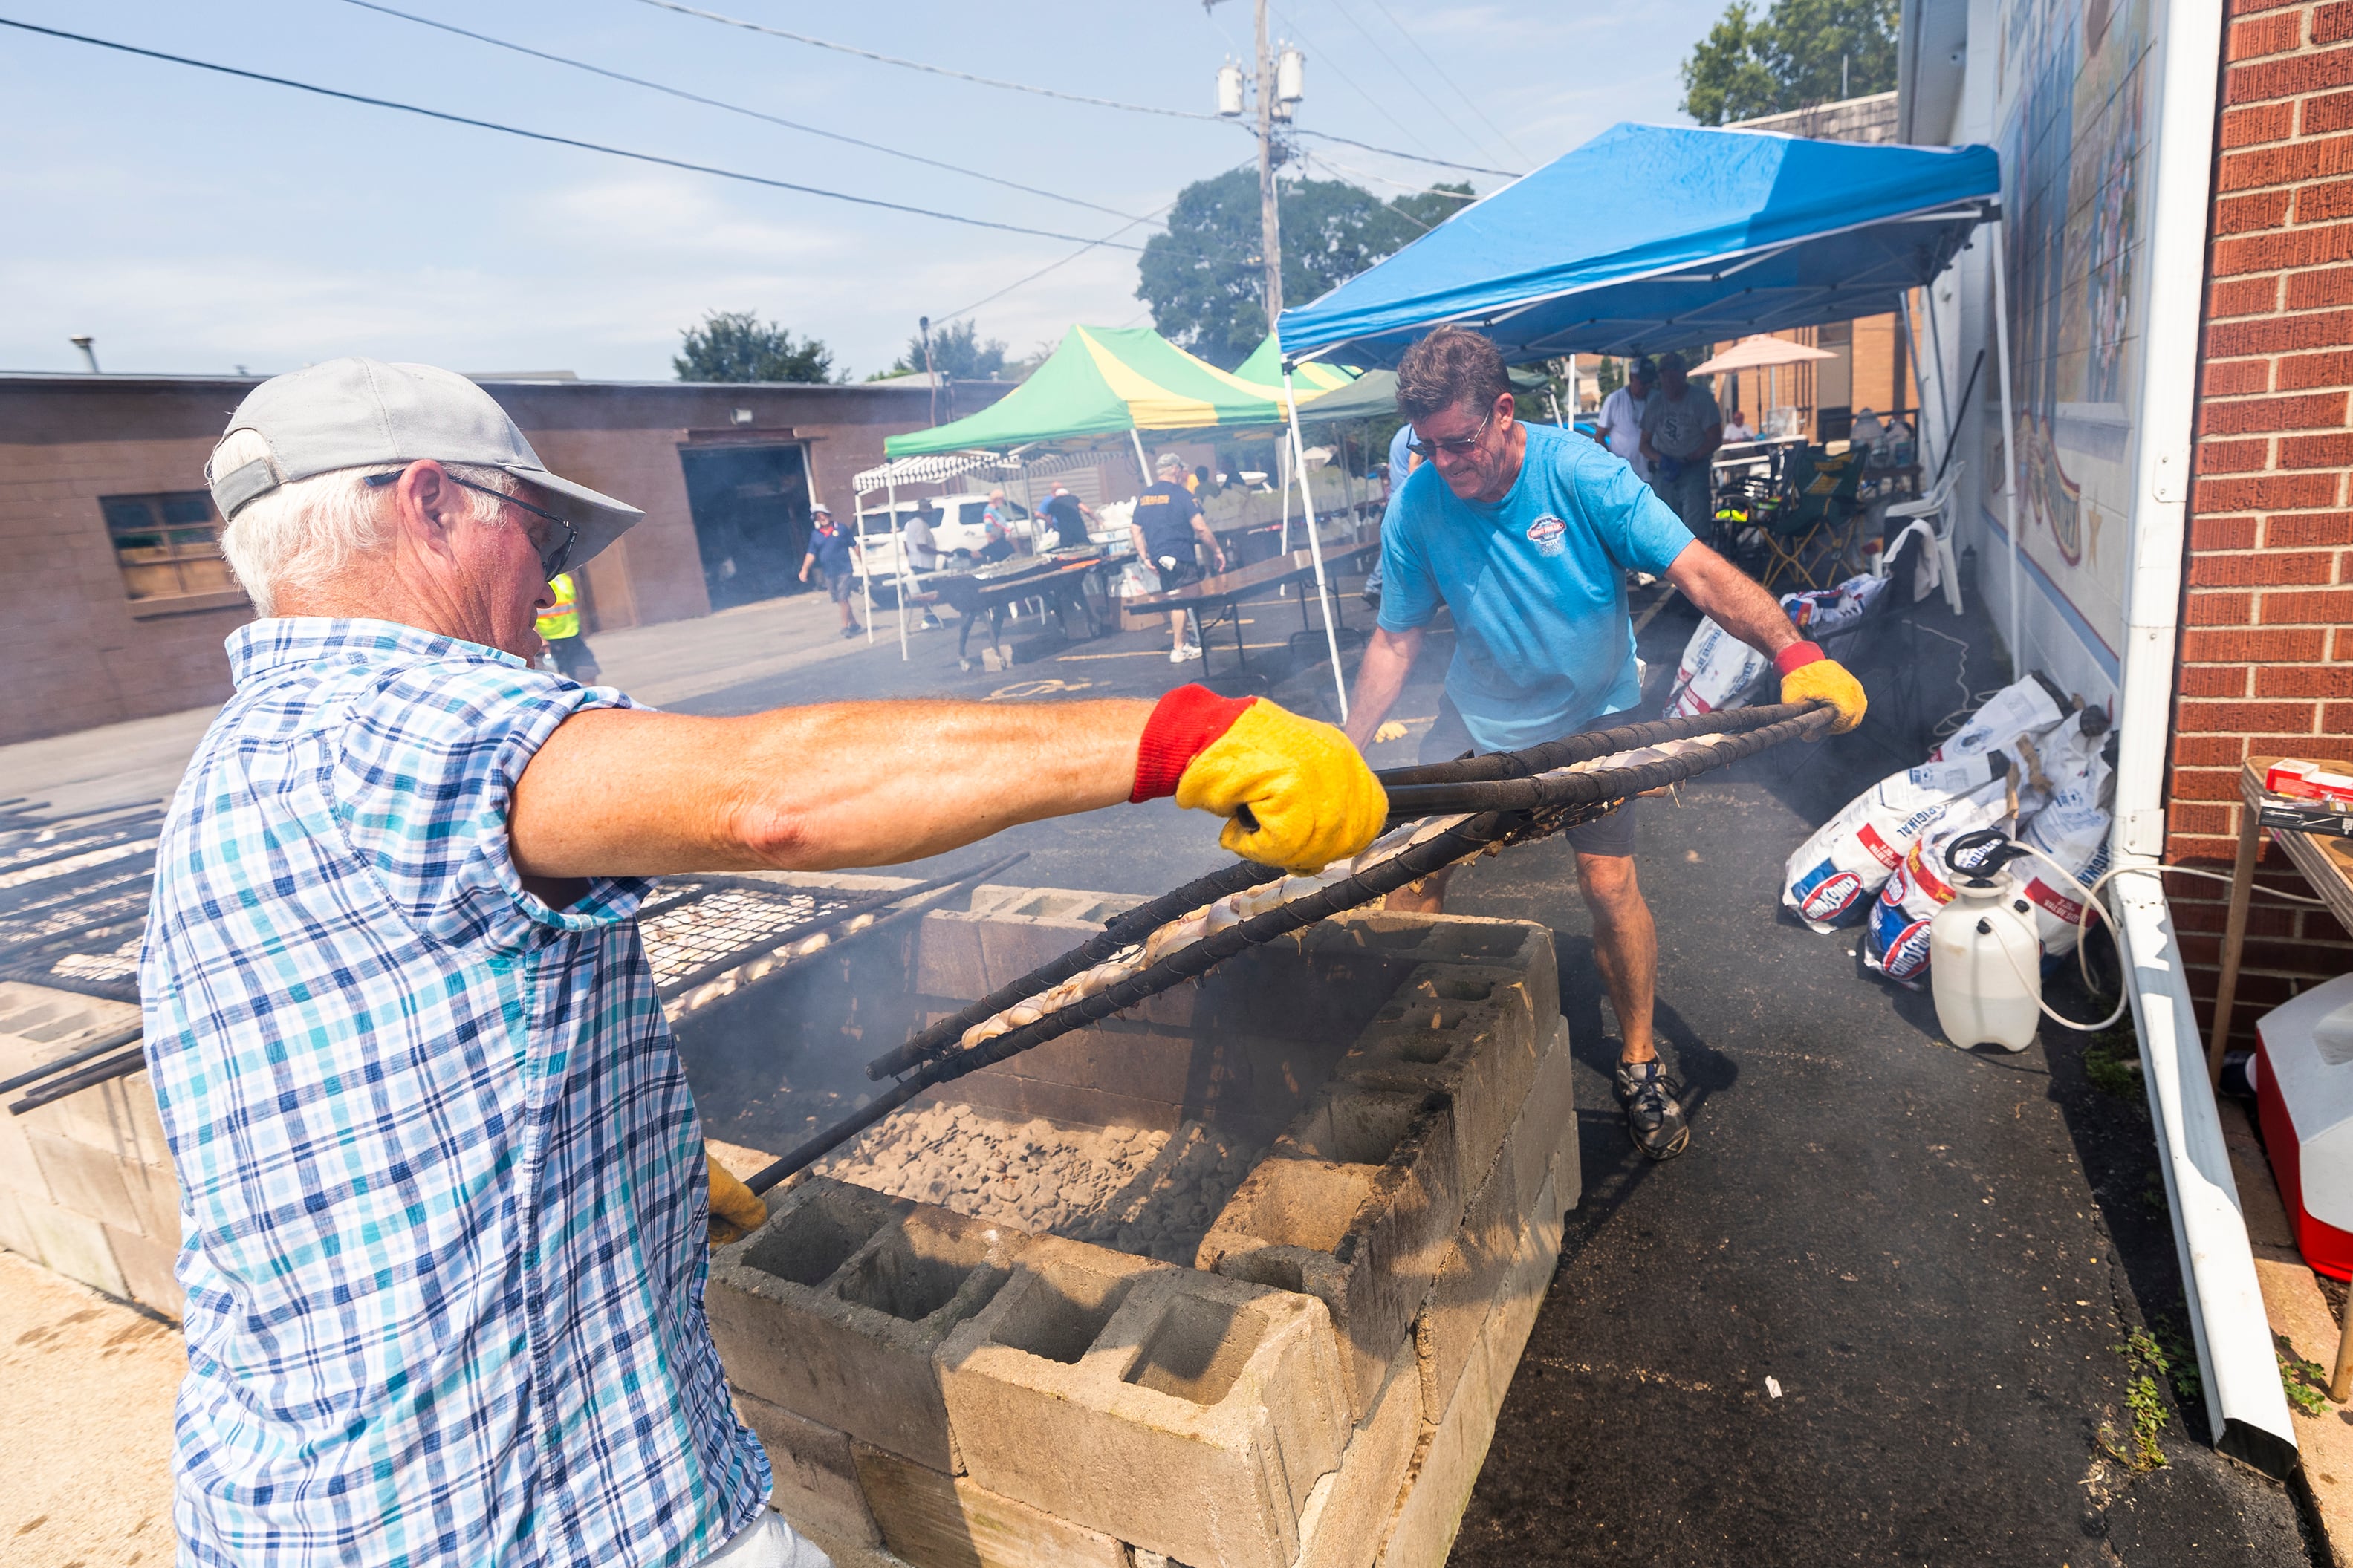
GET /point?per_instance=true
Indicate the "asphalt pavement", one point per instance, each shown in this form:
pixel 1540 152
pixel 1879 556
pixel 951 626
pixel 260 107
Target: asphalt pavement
pixel 1936 1256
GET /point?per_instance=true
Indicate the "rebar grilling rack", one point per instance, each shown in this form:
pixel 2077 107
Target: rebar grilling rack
pixel 73 896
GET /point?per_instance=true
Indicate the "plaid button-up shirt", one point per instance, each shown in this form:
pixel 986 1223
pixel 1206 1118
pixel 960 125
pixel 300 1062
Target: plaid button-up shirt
pixel 442 1201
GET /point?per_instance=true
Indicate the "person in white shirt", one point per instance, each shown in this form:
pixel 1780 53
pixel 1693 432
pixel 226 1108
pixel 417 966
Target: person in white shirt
pixel 1867 432
pixel 1622 417
pixel 1736 429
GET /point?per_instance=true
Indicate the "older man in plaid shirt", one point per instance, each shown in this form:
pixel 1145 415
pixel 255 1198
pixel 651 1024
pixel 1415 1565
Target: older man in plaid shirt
pixel 444 1201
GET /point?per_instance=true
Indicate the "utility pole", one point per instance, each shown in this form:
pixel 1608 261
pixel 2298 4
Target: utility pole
pixel 1270 219
pixel 931 377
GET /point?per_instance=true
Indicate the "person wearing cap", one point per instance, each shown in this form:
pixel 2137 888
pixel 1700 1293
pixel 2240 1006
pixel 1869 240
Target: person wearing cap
pixel 1164 527
pixel 1525 533
pixel 996 524
pixel 837 560
pixel 1070 516
pixel 444 1199
pixel 1681 429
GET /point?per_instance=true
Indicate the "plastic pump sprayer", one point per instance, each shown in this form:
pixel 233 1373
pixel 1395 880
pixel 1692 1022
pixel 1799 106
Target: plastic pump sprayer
pixel 1986 965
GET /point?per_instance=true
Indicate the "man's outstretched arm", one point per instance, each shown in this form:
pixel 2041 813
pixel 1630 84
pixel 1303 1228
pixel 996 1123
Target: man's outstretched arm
pixel 624 792
pixel 1743 606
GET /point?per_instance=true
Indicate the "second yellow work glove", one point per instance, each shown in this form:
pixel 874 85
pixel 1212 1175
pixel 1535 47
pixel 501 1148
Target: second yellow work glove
pixel 1308 791
pixel 1807 674
pixel 736 1210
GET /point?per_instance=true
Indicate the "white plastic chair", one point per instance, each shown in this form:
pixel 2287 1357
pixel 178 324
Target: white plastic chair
pixel 1936 508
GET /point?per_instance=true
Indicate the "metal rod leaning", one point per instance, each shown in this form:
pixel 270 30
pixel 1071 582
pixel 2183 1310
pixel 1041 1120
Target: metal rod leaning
pixel 1410 864
pixel 98 1072
pixel 114 1039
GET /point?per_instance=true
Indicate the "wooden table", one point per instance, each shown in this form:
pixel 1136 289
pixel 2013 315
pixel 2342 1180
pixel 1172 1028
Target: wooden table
pixel 1059 582
pixel 1227 588
pixel 2327 862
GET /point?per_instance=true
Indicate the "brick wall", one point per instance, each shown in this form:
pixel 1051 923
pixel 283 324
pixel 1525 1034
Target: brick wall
pixel 2266 647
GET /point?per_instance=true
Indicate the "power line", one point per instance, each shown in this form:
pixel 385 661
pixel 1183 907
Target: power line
pixel 1408 157
pixel 731 107
pixel 1515 149
pixel 1052 266
pixel 554 139
pixel 1407 77
pixel 1378 107
pixel 920 65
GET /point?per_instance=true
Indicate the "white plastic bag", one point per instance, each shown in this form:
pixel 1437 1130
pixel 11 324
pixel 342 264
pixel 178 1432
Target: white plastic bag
pixel 1831 881
pixel 2025 708
pixel 1895 939
pixel 1823 612
pixel 1717 670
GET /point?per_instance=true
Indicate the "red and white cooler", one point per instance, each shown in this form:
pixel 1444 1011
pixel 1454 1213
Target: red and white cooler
pixel 2303 1096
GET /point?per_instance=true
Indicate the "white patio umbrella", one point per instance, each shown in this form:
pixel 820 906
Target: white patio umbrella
pixel 1761 353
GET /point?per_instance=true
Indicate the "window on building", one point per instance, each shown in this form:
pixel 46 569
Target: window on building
pixel 167 545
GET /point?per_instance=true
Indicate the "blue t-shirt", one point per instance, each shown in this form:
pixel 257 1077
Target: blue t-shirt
pixel 1537 583
pixel 832 550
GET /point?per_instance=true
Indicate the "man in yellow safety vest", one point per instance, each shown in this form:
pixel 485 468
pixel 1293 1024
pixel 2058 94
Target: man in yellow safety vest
pixel 559 627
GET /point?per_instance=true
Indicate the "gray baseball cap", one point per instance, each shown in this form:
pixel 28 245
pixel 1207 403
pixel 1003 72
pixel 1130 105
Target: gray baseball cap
pixel 357 412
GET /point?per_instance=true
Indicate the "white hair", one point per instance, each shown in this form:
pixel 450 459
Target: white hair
pixel 304 533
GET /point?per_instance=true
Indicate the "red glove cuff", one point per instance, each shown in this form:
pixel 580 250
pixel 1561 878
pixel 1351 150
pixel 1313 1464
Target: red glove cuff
pixel 1182 725
pixel 1797 656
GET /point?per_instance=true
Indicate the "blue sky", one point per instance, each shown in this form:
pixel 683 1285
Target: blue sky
pixel 194 223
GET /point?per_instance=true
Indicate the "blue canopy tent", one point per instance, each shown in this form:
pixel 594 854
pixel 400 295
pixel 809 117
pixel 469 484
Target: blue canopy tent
pixel 1649 237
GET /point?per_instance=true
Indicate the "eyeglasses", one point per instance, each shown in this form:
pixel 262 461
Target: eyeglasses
pixel 1452 446
pixel 552 557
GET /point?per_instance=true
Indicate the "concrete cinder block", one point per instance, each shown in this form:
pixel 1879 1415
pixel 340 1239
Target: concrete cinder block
pixel 20 1173
pixel 154 1192
pixel 147 1265
pixel 947 955
pixel 1465 1031
pixel 15 1233
pixel 86 1180
pixel 1356 1205
pixel 1446 1465
pixel 1482 1255
pixel 834 1308
pixel 935 1521
pixel 1349 1510
pixel 1184 1413
pixel 817 1481
pixel 1546 1124
pixel 75 1245
pixel 1525 947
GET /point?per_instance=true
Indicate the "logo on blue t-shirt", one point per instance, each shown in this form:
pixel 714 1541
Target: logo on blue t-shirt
pixel 1547 533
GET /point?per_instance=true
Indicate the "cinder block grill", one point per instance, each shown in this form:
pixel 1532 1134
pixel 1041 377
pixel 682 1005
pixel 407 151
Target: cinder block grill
pixel 1238 1278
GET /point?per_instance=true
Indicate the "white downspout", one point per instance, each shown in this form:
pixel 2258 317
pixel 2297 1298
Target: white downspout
pixel 2245 1408
pixel 2019 663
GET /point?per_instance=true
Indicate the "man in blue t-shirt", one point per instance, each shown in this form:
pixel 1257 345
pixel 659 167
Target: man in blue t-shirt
pixel 1526 533
pixel 1164 527
pixel 836 558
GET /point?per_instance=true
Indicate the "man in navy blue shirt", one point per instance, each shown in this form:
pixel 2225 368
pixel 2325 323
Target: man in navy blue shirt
pixel 1526 533
pixel 836 557
pixel 1164 527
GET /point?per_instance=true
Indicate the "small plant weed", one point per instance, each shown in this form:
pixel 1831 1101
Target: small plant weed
pixel 2112 1063
pixel 2303 1382
pixel 2144 1401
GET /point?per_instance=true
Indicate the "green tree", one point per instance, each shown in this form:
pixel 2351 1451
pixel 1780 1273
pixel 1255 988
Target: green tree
pixel 1203 276
pixel 1800 53
pixel 958 352
pixel 734 345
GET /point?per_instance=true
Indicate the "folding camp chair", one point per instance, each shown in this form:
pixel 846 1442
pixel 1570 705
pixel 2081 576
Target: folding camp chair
pixel 1818 503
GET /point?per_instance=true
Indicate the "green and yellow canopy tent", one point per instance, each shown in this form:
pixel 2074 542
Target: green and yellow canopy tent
pixel 1102 383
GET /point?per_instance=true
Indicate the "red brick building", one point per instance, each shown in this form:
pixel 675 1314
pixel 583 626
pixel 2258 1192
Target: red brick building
pixel 114 602
pixel 2268 612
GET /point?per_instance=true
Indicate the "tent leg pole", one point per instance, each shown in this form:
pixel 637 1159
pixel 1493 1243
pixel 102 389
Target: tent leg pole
pixel 891 501
pixel 1919 385
pixel 1143 463
pixel 1314 545
pixel 2009 440
pixel 866 572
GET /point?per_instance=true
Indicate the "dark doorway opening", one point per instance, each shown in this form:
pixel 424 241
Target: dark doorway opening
pixel 751 511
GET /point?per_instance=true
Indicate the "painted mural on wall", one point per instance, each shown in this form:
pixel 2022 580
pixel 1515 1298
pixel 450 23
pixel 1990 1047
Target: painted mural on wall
pixel 2070 91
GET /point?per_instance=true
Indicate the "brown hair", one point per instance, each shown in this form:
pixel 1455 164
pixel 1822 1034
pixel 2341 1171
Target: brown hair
pixel 1452 366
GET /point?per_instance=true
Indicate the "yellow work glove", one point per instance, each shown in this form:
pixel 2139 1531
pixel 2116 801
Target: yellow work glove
pixel 736 1210
pixel 1309 797
pixel 1806 675
pixel 1392 730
